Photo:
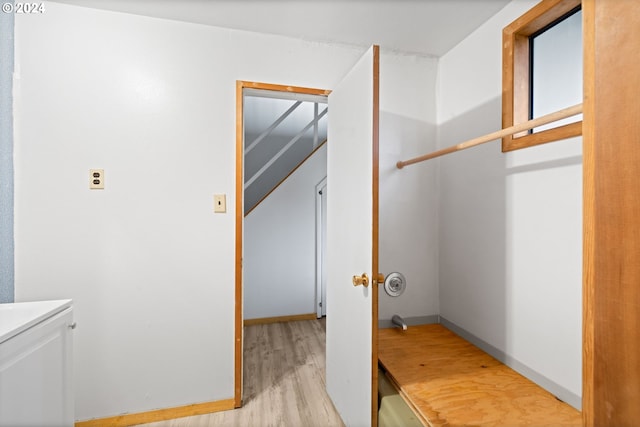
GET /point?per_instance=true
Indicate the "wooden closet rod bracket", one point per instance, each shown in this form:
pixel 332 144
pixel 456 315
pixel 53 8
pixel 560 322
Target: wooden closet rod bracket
pixel 511 130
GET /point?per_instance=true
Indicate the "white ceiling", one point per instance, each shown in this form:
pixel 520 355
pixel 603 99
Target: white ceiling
pixel 424 27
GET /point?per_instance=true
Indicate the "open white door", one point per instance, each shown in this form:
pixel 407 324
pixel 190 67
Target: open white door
pixel 352 243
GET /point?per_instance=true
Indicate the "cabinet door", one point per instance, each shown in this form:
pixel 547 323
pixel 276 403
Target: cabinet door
pixel 36 375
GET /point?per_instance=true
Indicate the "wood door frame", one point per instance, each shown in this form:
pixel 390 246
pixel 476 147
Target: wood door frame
pixel 375 254
pixel 611 171
pixel 611 213
pixel 239 218
pixel 516 74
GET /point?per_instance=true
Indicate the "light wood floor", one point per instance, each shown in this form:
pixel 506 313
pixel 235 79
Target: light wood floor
pixel 284 380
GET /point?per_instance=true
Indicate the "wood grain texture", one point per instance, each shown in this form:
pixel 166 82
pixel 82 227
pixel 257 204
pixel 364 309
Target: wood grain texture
pixel 375 258
pixel 516 74
pixel 284 375
pixel 278 319
pixel 450 382
pixel 284 88
pixel 541 15
pixel 564 131
pixel 588 211
pixel 612 213
pixel 238 315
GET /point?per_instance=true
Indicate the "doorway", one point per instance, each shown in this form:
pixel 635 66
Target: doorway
pixel 321 248
pixel 263 178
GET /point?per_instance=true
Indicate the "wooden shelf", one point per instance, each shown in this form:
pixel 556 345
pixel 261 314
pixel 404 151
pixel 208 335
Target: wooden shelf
pixel 450 382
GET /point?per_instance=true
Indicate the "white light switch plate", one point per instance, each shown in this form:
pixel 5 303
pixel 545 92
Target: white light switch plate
pixel 219 203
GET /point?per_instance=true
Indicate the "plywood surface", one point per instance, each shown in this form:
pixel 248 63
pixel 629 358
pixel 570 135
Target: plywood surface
pixel 450 382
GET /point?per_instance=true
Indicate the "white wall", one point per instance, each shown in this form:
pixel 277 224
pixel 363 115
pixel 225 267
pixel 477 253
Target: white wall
pixel 408 210
pixel 148 264
pixel 510 224
pixel 280 246
pixel 408 197
pixel 6 158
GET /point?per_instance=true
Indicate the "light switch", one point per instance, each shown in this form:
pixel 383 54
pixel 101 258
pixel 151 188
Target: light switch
pixel 96 179
pixel 220 203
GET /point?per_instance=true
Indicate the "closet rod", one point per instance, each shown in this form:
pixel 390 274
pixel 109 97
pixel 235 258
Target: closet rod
pixel 542 120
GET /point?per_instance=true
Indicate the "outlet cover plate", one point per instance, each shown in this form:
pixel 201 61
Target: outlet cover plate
pixel 96 179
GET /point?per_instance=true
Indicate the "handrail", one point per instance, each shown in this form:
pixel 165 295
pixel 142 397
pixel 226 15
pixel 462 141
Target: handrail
pixel 511 130
pixel 284 149
pixel 271 128
pixel 286 177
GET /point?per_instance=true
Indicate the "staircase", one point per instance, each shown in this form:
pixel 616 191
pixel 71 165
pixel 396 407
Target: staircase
pixel 279 135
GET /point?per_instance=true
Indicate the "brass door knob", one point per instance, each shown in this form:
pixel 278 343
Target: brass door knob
pixel 361 280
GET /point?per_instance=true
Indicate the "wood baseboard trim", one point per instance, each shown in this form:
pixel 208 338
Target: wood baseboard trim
pixel 293 318
pixel 160 414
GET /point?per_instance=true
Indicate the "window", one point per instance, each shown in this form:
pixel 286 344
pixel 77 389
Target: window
pixel 531 38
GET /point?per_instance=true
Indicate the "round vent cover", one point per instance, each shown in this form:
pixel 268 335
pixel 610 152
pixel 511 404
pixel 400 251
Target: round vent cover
pixel 394 284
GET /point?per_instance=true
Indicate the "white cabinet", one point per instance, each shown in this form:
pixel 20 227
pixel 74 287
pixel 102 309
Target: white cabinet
pixel 36 381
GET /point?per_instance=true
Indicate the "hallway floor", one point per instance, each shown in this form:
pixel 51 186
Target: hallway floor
pixel 284 380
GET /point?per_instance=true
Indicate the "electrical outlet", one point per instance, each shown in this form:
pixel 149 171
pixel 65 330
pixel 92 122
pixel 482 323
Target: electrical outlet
pixel 219 203
pixel 96 179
